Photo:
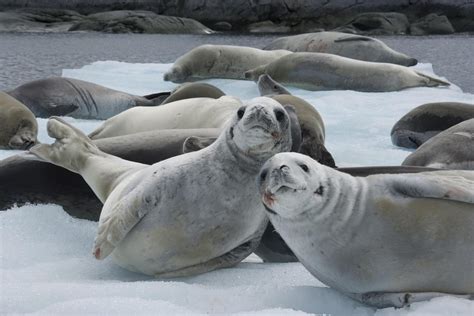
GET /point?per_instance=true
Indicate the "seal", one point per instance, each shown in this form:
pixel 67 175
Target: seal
pixel 219 61
pixel 194 90
pixel 186 215
pixel 272 247
pixel 268 87
pixel 188 113
pixel 76 98
pixel 319 71
pixel 427 120
pixel 27 180
pixel 19 128
pixel 378 239
pixel 450 149
pixel 347 45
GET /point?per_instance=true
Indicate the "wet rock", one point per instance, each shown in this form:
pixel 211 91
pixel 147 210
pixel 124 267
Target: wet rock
pixel 268 27
pixel 222 26
pixel 377 23
pixel 125 21
pixel 432 24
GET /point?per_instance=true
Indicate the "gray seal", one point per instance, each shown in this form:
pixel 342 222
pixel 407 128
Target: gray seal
pixel 427 120
pixel 343 44
pixel 450 149
pixel 319 71
pixel 267 86
pixel 18 127
pixel 379 239
pixel 186 215
pixel 219 61
pixel 25 179
pixel 194 90
pixel 76 98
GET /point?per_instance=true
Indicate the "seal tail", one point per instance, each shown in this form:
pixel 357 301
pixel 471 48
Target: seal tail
pixel 69 148
pixel 157 98
pixel 431 81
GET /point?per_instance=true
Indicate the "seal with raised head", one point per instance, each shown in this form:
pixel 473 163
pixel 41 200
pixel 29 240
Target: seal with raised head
pixel 319 71
pixel 182 114
pixel 219 61
pixel 77 98
pixel 380 239
pixel 427 120
pixel 18 128
pixel 185 215
pixel 343 44
pixel 450 149
pixel 268 87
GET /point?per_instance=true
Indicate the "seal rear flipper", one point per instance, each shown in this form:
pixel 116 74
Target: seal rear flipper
pixel 114 226
pixel 227 260
pixel 444 185
pixel 157 98
pixel 399 300
pixel 433 82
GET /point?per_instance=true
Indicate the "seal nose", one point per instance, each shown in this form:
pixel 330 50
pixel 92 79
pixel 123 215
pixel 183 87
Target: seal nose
pixel 284 168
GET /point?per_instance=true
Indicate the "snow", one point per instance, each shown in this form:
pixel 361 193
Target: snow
pixel 46 265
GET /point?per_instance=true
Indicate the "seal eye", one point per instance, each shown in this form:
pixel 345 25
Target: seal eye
pixel 304 167
pixel 275 87
pixel 279 115
pixel 240 113
pixel 320 190
pixel 263 175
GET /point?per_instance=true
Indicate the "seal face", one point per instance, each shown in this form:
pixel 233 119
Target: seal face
pixel 187 214
pixel 378 239
pixel 450 149
pixel 19 128
pixel 219 61
pixel 320 71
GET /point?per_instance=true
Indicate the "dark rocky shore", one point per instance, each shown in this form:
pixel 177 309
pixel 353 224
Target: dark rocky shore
pixel 370 17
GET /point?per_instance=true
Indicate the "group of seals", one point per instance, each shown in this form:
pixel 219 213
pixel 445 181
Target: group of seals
pixel 320 71
pixel 76 98
pixel 219 61
pixel 18 126
pixel 343 44
pixel 149 216
pixel 383 239
pixel 427 120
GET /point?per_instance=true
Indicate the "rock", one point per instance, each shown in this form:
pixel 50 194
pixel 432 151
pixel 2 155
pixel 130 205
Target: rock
pixel 126 21
pixel 222 26
pixel 377 23
pixel 38 20
pixel 432 24
pixel 268 27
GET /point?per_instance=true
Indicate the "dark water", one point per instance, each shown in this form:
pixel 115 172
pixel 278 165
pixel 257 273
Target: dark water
pixel 26 56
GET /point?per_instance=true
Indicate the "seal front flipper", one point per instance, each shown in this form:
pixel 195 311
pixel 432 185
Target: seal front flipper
pixel 61 109
pixel 195 143
pixel 352 38
pixel 125 214
pixel 430 185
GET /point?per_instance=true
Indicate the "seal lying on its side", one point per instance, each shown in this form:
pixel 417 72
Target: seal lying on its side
pixel 26 180
pixel 343 44
pixel 194 90
pixel 18 127
pixel 380 239
pixel 219 61
pixel 451 149
pixel 186 215
pixel 76 98
pixel 427 120
pixel 318 71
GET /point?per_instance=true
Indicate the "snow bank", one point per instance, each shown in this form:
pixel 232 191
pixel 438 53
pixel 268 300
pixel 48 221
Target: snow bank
pixel 46 265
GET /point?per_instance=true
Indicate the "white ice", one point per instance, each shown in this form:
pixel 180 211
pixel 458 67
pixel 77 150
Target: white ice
pixel 46 265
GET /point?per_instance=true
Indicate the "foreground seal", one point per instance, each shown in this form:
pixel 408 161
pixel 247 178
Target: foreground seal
pixel 318 71
pixel 378 239
pixel 18 126
pixel 343 44
pixel 427 120
pixel 27 180
pixel 76 98
pixel 450 149
pixel 219 61
pixel 185 215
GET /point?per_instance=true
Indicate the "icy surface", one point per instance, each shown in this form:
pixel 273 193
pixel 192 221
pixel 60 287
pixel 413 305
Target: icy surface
pixel 46 265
